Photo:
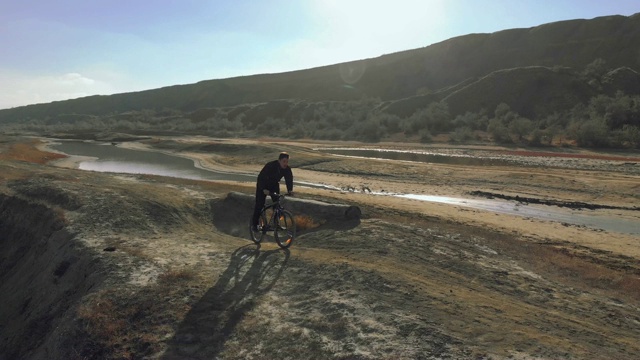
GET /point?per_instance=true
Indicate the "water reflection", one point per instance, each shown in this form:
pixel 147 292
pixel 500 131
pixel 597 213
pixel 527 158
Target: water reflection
pixel 109 158
pixel 105 157
pixel 420 156
pixel 138 168
pixel 542 212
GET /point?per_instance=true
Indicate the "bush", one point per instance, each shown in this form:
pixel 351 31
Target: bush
pixel 390 122
pixel 271 127
pixel 297 131
pixel 435 118
pixel 629 137
pixel 539 137
pixel 617 111
pixel 593 133
pixel 425 136
pixel 520 127
pixel 474 121
pixel 370 131
pixel 328 134
pixel 499 132
pixel 462 134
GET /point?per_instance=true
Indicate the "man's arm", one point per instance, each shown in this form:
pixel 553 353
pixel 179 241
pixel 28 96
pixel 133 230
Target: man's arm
pixel 288 179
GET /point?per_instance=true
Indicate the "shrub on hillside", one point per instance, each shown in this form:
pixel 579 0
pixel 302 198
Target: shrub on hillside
pixel 425 136
pixel 627 137
pixel 474 121
pixel 296 131
pixel 271 127
pixel 593 133
pixel 370 131
pixel 499 131
pixel 461 135
pixel 435 118
pixel 520 127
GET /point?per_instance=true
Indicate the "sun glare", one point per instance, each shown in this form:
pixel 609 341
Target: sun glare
pixel 347 31
pixel 380 27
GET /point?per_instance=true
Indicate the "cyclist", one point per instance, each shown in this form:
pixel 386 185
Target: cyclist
pixel 269 183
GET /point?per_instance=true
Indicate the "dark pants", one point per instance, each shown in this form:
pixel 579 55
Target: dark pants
pixel 260 201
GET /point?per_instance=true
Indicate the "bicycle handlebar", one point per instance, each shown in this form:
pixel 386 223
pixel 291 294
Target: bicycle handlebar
pixel 278 202
pixel 280 196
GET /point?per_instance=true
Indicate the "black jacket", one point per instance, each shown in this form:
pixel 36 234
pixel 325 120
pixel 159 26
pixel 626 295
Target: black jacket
pixel 271 174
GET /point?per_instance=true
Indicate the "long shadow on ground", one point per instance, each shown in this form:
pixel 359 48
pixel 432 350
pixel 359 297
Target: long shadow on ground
pixel 212 320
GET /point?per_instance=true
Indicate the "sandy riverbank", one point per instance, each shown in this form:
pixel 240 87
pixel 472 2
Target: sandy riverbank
pixel 564 180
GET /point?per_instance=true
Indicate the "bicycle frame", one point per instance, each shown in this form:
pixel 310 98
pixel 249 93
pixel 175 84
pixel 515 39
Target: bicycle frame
pixel 277 211
pixel 274 217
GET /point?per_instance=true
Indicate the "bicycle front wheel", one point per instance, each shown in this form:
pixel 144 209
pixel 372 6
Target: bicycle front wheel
pixel 258 235
pixel 285 230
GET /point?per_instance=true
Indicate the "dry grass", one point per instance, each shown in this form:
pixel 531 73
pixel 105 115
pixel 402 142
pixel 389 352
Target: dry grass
pixel 60 216
pixel 176 275
pixel 304 223
pixel 28 151
pixel 582 270
pixel 105 325
pixel 591 273
pixel 121 245
pixel 119 326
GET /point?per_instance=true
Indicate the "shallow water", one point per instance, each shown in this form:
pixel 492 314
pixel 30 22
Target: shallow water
pixel 110 158
pixel 113 159
pixel 420 156
pixel 587 218
pixel 453 156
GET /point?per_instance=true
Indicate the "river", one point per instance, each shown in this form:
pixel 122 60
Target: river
pixel 105 157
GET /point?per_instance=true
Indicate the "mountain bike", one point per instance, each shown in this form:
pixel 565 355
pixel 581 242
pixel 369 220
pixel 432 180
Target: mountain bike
pixel 274 218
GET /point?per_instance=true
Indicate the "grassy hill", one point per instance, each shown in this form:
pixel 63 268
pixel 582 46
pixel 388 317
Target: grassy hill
pixel 536 71
pixel 573 44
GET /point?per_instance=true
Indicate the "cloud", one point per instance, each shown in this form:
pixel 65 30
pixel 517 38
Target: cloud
pixel 75 80
pixel 22 89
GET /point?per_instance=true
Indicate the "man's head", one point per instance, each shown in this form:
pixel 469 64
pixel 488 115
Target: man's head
pixel 283 159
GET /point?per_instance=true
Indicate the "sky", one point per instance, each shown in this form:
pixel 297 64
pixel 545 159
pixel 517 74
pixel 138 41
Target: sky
pixel 65 49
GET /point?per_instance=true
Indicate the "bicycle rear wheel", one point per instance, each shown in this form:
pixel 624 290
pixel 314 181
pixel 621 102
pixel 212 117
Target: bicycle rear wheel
pixel 258 235
pixel 285 230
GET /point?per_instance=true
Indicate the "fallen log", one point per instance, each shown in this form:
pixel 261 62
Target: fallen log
pixel 232 213
pixel 318 210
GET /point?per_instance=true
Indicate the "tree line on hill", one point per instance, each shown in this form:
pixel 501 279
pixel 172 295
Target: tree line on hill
pixel 604 122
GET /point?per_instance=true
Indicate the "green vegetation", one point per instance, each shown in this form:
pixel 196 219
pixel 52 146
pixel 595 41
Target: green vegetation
pixel 605 122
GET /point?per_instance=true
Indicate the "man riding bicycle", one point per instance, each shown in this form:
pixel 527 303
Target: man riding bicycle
pixel 269 183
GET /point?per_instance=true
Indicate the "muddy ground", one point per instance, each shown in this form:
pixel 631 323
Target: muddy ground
pixel 130 266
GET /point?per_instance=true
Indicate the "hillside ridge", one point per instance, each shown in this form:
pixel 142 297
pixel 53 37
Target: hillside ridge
pixel 389 77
